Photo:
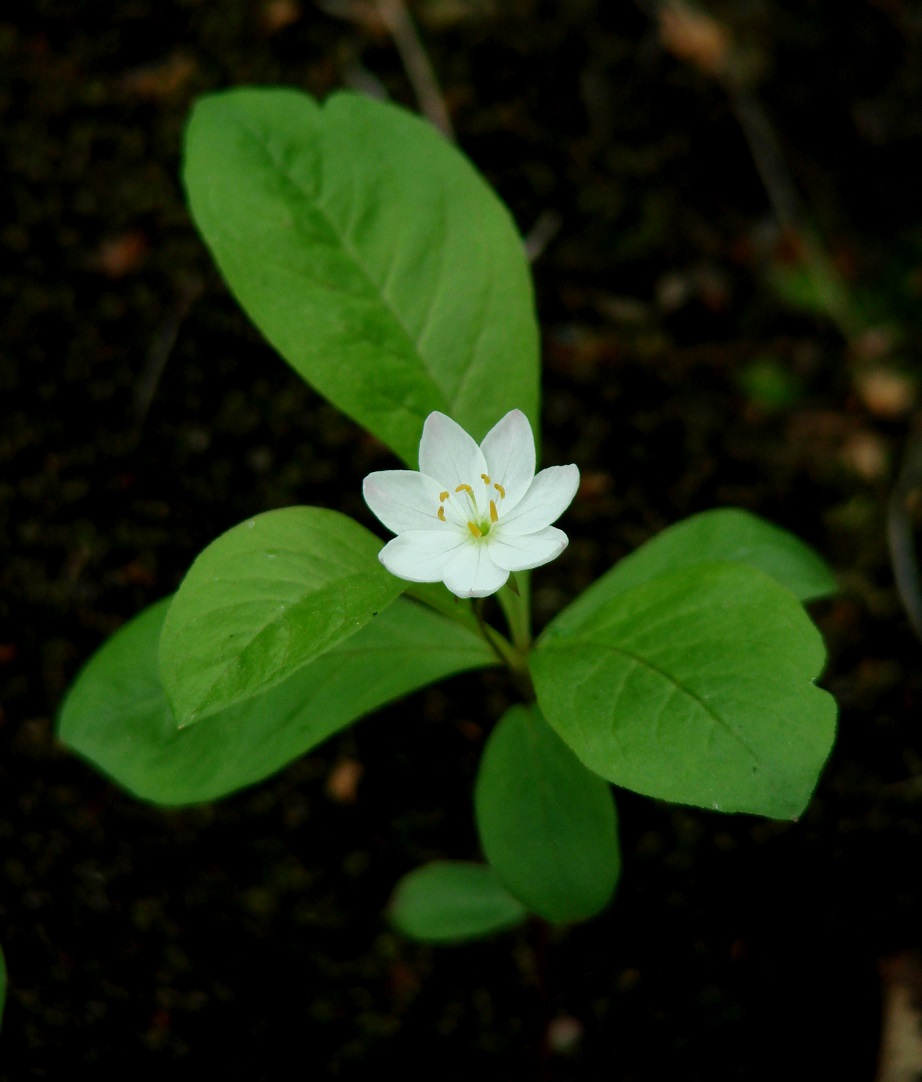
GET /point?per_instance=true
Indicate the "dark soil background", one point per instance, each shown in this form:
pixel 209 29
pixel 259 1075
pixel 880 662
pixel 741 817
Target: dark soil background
pixel 683 174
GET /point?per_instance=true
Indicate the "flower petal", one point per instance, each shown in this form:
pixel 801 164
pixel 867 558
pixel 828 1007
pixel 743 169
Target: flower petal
pixel 530 550
pixel 470 572
pixel 448 454
pixel 420 555
pixel 509 448
pixel 403 499
pixel 551 493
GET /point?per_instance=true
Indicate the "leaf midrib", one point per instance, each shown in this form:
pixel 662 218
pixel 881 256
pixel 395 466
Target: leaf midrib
pixel 374 288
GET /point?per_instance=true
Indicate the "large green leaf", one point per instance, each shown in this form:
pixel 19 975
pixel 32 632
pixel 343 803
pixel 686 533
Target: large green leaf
pixel 696 686
pixel 264 599
pixel 449 901
pixel 118 718
pixel 370 253
pixel 547 824
pixel 722 534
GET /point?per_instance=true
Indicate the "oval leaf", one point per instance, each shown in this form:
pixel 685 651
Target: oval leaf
pixel 264 599
pixel 370 253
pixel 695 687
pixel 451 901
pixel 724 534
pixel 547 824
pixel 118 718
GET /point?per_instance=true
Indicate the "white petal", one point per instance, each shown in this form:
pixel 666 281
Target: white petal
pixel 403 499
pixel 420 555
pixel 470 572
pixel 509 448
pixel 448 454
pixel 551 493
pixel 530 550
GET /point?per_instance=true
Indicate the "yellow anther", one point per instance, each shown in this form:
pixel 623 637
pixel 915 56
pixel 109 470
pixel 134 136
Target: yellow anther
pixel 475 529
pixel 443 496
pixel 486 479
pixel 499 488
pixel 465 488
pixel 494 517
pixel 442 513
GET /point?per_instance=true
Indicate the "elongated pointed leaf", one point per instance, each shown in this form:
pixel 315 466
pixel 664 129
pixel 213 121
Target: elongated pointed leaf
pixel 117 715
pixel 451 901
pixel 263 600
pixel 371 255
pixel 697 687
pixel 547 824
pixel 724 534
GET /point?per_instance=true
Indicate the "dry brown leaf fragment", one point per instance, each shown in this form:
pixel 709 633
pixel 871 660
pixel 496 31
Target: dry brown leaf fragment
pixel 119 256
pixel 164 79
pixel 278 15
pixel 343 783
pixel 886 393
pixel 695 37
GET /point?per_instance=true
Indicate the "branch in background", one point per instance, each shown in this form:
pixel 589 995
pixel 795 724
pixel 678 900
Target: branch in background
pixel 545 228
pixel 905 498
pixel 901 1039
pixel 392 16
pixel 396 18
pixel 159 353
pixel 699 39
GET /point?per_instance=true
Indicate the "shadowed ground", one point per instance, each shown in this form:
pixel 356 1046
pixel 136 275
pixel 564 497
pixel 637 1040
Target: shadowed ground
pixel 725 218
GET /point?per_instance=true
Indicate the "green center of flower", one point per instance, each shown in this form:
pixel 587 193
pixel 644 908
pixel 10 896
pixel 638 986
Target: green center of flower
pixel 481 519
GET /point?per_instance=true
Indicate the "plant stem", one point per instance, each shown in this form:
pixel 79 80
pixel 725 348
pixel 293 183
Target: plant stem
pixel 513 656
pixel 516 605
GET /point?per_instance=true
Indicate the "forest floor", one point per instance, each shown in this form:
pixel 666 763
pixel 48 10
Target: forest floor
pixel 727 237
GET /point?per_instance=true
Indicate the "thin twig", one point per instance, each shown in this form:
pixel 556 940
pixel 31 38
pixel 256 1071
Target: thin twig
pixel 396 18
pixel 901 532
pixel 787 205
pixel 545 228
pixel 160 350
pixel 703 41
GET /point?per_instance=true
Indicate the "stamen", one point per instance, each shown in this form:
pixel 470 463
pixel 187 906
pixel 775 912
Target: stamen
pixel 494 517
pixel 475 529
pixel 499 488
pixel 441 514
pixel 443 496
pixel 465 488
pixel 486 479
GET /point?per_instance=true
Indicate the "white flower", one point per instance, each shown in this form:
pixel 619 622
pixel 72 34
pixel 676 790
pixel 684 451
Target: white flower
pixel 472 514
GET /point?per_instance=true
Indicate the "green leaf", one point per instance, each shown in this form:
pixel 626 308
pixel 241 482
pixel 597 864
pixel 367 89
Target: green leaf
pixel 371 255
pixel 725 534
pixel 769 383
pixel 696 687
pixel 117 716
pixel 547 824
pixel 263 600
pixel 450 901
pixel 813 286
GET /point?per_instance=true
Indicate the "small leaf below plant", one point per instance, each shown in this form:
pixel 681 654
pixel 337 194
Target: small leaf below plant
pixel 547 824
pixel 451 901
